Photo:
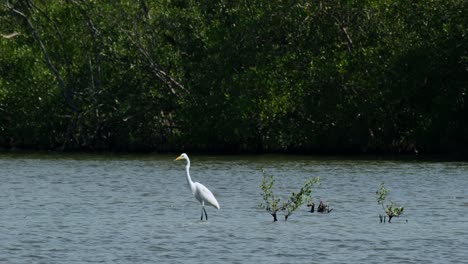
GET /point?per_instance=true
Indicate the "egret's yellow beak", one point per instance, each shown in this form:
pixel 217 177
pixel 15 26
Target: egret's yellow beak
pixel 179 158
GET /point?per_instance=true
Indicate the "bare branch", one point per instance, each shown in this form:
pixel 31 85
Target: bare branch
pixel 11 35
pixel 145 49
pixel 345 32
pixel 156 68
pixel 62 43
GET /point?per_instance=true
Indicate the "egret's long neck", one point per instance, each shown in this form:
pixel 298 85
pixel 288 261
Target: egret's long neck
pixel 187 167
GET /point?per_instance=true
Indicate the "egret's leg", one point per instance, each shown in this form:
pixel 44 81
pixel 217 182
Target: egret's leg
pixel 201 218
pixel 206 216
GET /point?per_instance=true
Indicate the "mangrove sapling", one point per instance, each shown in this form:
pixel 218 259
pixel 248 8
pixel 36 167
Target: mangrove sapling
pixel 391 210
pixel 297 199
pixel 272 203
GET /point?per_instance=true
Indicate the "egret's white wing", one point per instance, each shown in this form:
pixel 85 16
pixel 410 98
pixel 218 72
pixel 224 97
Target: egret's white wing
pixel 203 194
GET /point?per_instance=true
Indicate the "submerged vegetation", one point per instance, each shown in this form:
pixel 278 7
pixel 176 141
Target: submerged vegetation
pixel 272 203
pixel 322 207
pixel 310 76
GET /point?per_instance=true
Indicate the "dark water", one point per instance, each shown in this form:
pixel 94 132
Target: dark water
pixel 138 209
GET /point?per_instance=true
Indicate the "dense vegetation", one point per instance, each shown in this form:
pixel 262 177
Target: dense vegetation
pixel 330 76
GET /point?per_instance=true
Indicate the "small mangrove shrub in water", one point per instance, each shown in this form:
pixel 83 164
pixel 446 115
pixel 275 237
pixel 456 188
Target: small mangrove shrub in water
pixel 272 203
pixel 390 209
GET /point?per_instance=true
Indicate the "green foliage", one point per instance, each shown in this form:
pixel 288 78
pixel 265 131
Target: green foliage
pixel 296 200
pixel 328 76
pixel 272 204
pixel 390 209
pixel 381 194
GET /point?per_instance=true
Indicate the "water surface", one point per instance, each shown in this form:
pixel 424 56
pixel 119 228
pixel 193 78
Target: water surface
pixel 138 209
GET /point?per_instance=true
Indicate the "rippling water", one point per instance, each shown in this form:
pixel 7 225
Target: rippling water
pixel 138 209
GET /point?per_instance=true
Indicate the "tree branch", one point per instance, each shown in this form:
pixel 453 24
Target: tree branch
pixel 173 85
pixel 345 32
pixel 67 95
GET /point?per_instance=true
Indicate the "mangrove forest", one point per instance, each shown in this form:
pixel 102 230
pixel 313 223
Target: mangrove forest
pixel 306 76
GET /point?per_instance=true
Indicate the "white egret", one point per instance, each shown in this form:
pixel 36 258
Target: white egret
pixel 199 191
